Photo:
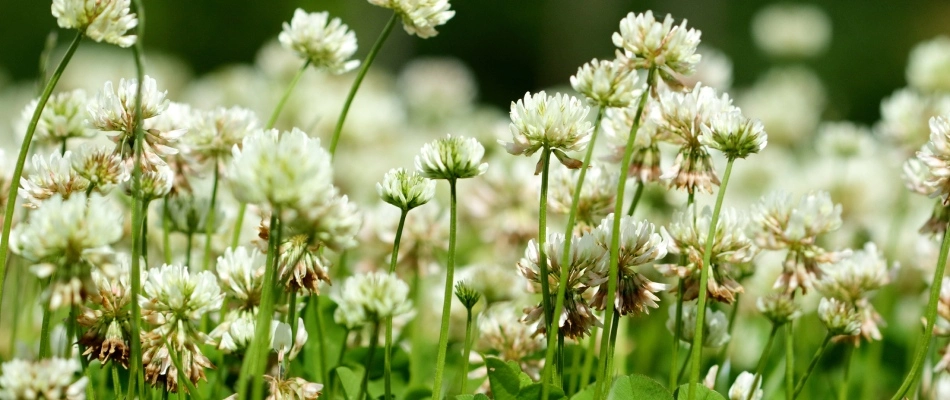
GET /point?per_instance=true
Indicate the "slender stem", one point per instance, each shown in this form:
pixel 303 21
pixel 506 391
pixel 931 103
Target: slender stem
pixel 71 331
pixel 447 295
pixel 343 346
pixel 703 280
pixel 572 385
pixel 614 328
pixel 811 366
pixel 21 159
pixel 636 198
pixel 789 361
pixel 238 223
pixel 395 254
pixel 373 340
pixel 44 328
pixel 116 383
pixel 677 331
pixel 923 343
pixel 568 233
pixel 188 245
pixel 760 368
pixel 689 356
pixel 136 373
pixel 466 352
pixel 283 99
pixel 602 381
pixel 321 331
pixel 257 353
pixel 166 232
pixel 373 51
pixel 584 379
pixel 209 220
pixel 292 315
pixel 543 263
pixel 843 391
pixel 17 287
pixel 387 371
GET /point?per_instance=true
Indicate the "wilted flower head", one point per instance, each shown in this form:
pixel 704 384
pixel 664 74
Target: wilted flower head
pixel 742 387
pixel 928 65
pixel 936 157
pixel 606 83
pixel 327 44
pixel 52 177
pixel 63 117
pixel 647 43
pixel 419 17
pixel 405 189
pixel 101 167
pixel 734 135
pixel 53 378
pixel 212 134
pixel 301 265
pixel 377 295
pixel 839 317
pixel 557 123
pixel 715 329
pixel 639 245
pixel 779 308
pixel 107 324
pixel 454 157
pixel 796 30
pixel 280 170
pixel 100 20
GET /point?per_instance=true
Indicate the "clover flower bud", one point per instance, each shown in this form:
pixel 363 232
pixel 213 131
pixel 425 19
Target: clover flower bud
pixel 419 17
pixel 741 388
pixel 405 189
pixel 779 308
pixel 327 43
pixel 734 135
pixel 466 294
pixel 453 157
pixel 100 20
pixel 606 83
pixel 556 122
pixel 839 317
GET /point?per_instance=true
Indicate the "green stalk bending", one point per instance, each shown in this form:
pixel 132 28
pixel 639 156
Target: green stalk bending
pixel 697 351
pixel 373 51
pixel 387 355
pixel 566 253
pixel 811 366
pixel 21 159
pixel 760 368
pixel 209 220
pixel 136 373
pixel 636 198
pixel 923 343
pixel 602 379
pixel 447 299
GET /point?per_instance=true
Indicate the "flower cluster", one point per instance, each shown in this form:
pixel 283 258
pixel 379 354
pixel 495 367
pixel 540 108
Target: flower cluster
pixel 326 43
pixel 100 20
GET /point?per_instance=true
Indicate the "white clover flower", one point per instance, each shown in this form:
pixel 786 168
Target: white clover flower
pixel 100 20
pixel 681 115
pixel 639 245
pixel 839 317
pixel 501 332
pixel 715 331
pixel 556 122
pixel 936 157
pixel 844 139
pixel 101 167
pixel 451 158
pixel 334 223
pixel 54 378
pixel 647 43
pixel 741 388
pixel 280 170
pixel 597 195
pixel 779 308
pixel 212 134
pixel 114 110
pixel 301 265
pixel 419 17
pixel 241 272
pixel 916 175
pixel 904 116
pixel 853 278
pixel 106 320
pixel 295 388
pixel 236 332
pixel 791 30
pixel 405 189
pixel 645 160
pixel 155 182
pixel 378 295
pixel 327 43
pixel 62 229
pixel 52 177
pixel 789 101
pixel 63 117
pixel 929 64
pixel 175 300
pixel 734 135
pixel 606 83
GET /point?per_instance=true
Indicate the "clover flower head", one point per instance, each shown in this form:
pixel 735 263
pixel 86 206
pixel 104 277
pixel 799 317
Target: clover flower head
pixel 236 331
pixel 302 265
pixel 597 195
pixel 295 388
pixel 101 167
pixel 453 157
pixel 100 20
pixel 52 378
pixel 154 183
pixel 553 122
pixel 50 176
pixel 741 388
pixel 734 135
pixel 280 170
pixel 466 294
pixel 405 189
pixel 63 117
pixel 175 300
pixel 715 329
pixel 681 115
pixel 212 134
pixel 936 157
pixel 419 17
pixel 645 160
pixel 113 110
pixel 606 83
pixel 791 30
pixel 500 331
pixel 241 273
pixel 107 329
pixel 841 318
pixel 639 245
pixel 779 308
pixel 378 295
pixel 333 223
pixel 645 43
pixel 928 63
pixel 328 44
pixel 159 368
pixel 853 278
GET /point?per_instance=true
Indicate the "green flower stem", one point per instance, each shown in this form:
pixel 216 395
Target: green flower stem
pixel 373 51
pixel 843 391
pixel 572 385
pixel 292 315
pixel 703 280
pixel 21 159
pixel 568 233
pixel 188 244
pixel 343 346
pixel 604 381
pixel 543 263
pixel 447 299
pixel 209 220
pixel 760 368
pixel 238 223
pixel 417 360
pixel 387 356
pixel 689 356
pixel 321 331
pixel 811 366
pixel 44 327
pixel 136 372
pixel 789 361
pixel 166 232
pixel 116 383
pixel 283 99
pixel 251 368
pixel 677 331
pixel 588 367
pixel 636 198
pixel 71 332
pixel 466 352
pixel 373 339
pixel 923 343
pixel 62 148
pixel 614 328
pixel 17 287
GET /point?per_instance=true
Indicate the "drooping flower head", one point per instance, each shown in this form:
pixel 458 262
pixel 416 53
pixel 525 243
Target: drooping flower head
pixel 606 83
pixel 453 157
pixel 327 43
pixel 639 245
pixel 647 43
pixel 405 189
pixel 419 17
pixel 100 20
pixel 107 320
pixel 553 122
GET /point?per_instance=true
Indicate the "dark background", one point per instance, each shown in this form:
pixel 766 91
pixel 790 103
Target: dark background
pixel 515 46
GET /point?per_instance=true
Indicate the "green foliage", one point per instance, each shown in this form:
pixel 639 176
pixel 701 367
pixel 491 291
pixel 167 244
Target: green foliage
pixel 702 393
pixel 638 387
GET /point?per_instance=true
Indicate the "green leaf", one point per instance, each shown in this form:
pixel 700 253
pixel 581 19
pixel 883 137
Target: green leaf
pixel 351 381
pixel 638 387
pixel 504 380
pixel 702 393
pixel 533 392
pixel 585 394
pixel 418 393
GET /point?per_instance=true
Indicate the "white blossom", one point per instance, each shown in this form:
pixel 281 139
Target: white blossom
pixel 454 157
pixel 327 43
pixel 100 20
pixel 419 17
pixel 648 43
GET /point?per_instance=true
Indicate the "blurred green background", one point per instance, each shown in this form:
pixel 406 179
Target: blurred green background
pixel 515 46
